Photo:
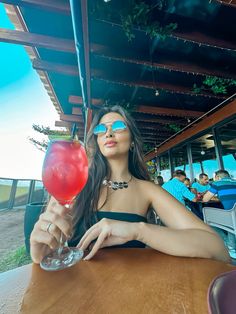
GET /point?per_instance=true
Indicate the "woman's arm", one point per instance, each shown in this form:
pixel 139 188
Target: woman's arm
pixel 184 234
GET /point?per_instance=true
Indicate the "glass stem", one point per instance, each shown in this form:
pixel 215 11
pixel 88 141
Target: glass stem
pixel 63 243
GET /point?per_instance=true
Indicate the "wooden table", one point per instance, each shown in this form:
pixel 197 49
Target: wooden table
pixel 115 281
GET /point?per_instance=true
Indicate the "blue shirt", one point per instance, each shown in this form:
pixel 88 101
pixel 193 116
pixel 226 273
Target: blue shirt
pixel 179 190
pixel 226 190
pixel 201 188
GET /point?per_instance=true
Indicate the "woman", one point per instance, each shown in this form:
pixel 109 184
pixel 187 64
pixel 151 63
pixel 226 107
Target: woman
pixel 115 201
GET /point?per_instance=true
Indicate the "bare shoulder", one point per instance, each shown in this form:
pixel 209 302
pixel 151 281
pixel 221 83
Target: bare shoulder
pixel 148 187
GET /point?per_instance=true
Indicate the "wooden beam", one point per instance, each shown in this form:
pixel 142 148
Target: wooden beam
pixel 71 118
pixel 36 40
pixel 204 39
pixel 195 37
pixel 231 3
pixel 148 125
pixel 142 109
pixel 72 70
pixel 167 87
pixel 69 125
pixel 161 121
pixel 172 64
pixel 209 121
pixel 159 132
pixel 50 5
pixel 169 111
pixel 55 67
pixel 141 121
pixel 154 139
pixel 77 100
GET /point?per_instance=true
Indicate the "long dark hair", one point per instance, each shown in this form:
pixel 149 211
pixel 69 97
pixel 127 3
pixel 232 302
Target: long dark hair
pixel 87 201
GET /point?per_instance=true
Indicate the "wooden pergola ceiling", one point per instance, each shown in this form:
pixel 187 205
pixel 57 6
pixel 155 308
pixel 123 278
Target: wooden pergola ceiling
pixel 156 78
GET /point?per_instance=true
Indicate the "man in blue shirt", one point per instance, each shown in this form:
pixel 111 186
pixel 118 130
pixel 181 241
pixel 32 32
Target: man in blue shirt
pixel 178 189
pixel 203 185
pixel 225 188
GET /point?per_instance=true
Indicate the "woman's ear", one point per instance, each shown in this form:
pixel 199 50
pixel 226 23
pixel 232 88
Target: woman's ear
pixel 131 146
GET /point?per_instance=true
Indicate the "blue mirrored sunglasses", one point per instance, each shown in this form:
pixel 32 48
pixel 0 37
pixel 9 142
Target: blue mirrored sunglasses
pixel 116 126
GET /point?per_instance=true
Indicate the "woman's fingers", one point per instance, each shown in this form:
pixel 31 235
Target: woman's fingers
pixel 57 208
pixel 63 224
pixel 91 236
pixel 97 245
pixel 44 238
pixel 81 242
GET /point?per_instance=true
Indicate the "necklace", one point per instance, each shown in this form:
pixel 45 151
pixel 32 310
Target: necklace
pixel 114 185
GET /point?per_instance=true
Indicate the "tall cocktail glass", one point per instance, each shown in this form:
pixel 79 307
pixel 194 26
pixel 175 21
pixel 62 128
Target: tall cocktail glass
pixel 64 175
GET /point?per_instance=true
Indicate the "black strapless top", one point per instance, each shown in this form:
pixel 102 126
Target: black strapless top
pixel 129 217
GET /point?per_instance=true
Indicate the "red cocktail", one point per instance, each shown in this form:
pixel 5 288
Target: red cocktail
pixel 65 173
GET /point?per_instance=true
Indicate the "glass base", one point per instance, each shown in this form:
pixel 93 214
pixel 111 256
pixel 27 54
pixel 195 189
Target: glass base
pixel 67 258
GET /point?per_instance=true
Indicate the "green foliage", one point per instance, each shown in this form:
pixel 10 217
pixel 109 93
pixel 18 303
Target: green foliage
pixel 214 84
pixel 42 145
pixel 147 147
pixel 48 131
pixel 135 13
pixel 15 259
pixel 174 127
pixel 140 15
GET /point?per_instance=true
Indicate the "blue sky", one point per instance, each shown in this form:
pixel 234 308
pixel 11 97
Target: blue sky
pixel 23 101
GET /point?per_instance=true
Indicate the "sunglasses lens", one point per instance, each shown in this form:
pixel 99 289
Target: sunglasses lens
pixel 99 129
pixel 118 126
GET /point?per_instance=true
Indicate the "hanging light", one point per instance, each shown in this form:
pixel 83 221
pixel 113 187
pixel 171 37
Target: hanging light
pixel 202 152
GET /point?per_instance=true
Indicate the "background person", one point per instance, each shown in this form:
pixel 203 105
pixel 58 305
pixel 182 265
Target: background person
pixel 187 183
pixel 159 180
pixel 178 189
pixel 225 188
pixel 202 186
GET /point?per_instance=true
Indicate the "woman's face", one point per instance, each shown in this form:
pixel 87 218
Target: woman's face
pixel 113 144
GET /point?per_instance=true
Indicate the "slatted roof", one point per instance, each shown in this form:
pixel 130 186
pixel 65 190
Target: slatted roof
pixel 151 77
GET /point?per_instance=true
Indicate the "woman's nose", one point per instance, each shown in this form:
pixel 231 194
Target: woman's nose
pixel 109 132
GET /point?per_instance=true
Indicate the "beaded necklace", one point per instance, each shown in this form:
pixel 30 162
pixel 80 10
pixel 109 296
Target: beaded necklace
pixel 114 185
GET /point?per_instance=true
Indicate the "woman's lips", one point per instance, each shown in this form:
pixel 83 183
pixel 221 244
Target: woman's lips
pixel 110 144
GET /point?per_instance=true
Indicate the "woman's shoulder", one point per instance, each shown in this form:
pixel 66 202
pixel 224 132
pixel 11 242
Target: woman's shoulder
pixel 147 185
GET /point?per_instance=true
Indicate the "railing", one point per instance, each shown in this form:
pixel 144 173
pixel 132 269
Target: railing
pixel 15 193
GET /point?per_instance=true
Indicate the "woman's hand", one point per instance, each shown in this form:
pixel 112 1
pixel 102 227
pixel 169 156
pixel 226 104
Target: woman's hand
pixel 46 234
pixel 108 232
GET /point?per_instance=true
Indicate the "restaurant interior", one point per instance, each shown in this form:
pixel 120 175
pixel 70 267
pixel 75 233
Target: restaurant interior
pixel 170 64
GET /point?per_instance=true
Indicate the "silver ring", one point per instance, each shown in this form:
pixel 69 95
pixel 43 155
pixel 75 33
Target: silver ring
pixel 48 227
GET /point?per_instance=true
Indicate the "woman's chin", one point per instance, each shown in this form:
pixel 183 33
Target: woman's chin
pixel 113 154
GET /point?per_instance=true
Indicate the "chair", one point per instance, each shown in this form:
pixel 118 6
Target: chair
pixel 32 212
pixel 221 294
pixel 221 218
